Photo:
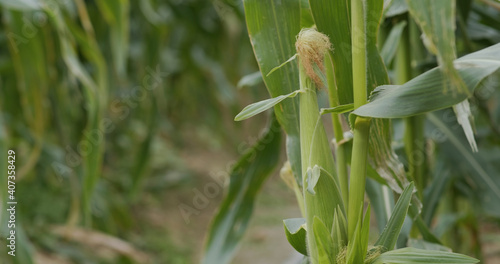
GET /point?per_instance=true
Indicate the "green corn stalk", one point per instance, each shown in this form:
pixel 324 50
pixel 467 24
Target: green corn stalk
pixel 315 151
pixel 362 124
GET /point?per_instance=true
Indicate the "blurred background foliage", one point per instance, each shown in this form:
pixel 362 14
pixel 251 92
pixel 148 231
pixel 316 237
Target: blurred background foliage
pixel 117 109
pixel 98 99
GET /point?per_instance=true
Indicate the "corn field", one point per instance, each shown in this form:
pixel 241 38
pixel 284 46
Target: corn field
pixel 172 131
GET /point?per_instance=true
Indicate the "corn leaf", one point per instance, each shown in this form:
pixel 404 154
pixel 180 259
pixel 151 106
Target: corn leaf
pixel 381 155
pixel 272 27
pixel 396 7
pixel 250 80
pixel 414 256
pixel 22 5
pixel 356 249
pixel 246 179
pixel 437 21
pixel 116 14
pixel 295 230
pixel 425 93
pixel 381 199
pixel 422 244
pixel 433 194
pixel 259 107
pixel 339 232
pixel 306 19
pixel 391 43
pixel 324 242
pixel 483 174
pixel 333 19
pixel 389 236
pixel 95 91
pixel 337 109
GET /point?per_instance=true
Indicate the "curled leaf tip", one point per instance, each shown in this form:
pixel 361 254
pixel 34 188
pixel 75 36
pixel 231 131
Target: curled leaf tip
pixel 311 47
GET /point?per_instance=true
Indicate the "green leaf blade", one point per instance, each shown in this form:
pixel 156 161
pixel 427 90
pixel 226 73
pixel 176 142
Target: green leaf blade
pixel 262 106
pixel 389 236
pixel 415 256
pixel 420 95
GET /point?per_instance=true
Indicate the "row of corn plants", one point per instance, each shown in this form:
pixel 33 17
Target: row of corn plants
pixel 86 88
pixel 352 51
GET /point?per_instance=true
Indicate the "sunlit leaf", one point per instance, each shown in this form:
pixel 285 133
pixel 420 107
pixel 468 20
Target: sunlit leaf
pixel 262 106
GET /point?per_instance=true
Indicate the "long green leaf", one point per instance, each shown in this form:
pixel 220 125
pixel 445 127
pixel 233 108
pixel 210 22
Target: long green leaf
pixel 389 236
pixel 246 179
pixel 259 107
pixel 425 92
pixel 273 26
pixel 415 256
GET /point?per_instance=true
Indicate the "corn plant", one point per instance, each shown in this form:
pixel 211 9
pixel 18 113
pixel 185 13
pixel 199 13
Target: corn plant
pixel 303 47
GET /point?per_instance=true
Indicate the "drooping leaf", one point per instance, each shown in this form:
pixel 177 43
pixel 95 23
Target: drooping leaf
pixel 259 107
pixel 424 93
pixel 273 42
pixel 295 230
pixel 415 256
pixel 246 179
